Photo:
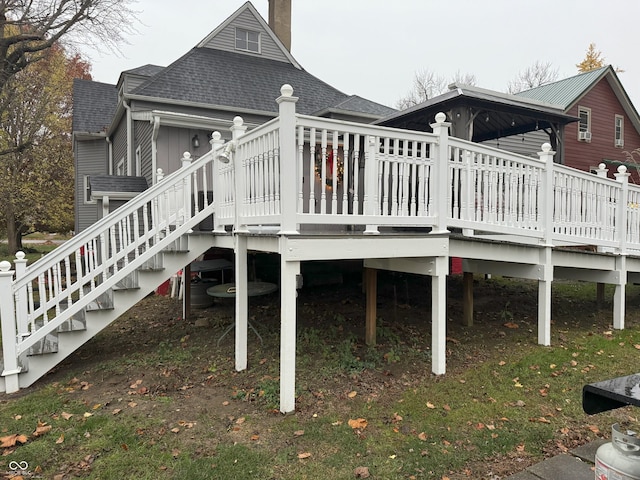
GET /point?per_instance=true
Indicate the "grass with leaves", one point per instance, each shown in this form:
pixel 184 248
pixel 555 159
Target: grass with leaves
pixel 154 397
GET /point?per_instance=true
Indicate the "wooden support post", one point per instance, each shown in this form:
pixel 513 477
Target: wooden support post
pixel 186 295
pixel 242 301
pixel 439 316
pixel 599 295
pixel 467 299
pixel 371 290
pixel 288 313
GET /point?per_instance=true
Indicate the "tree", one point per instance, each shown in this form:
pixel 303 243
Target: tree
pixel 35 142
pixel 29 28
pixel 592 60
pixel 35 133
pixel 427 84
pixel 540 73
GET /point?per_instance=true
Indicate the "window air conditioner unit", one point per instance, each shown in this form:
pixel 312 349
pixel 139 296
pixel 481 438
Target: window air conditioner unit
pixel 586 136
pixel 619 142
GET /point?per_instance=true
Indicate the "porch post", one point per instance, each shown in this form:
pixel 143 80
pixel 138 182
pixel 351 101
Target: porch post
pixel 439 315
pixel 546 279
pixel 621 261
pixel 186 190
pixel 9 334
pixel 289 167
pixel 371 291
pixel 288 274
pixel 439 178
pixel 216 142
pixel 242 301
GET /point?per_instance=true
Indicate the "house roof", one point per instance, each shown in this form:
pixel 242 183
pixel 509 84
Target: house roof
pixel 569 91
pixel 148 70
pixel 94 105
pixel 235 80
pixel 505 114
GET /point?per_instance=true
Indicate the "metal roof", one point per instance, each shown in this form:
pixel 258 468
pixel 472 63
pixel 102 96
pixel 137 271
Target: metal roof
pixel 565 92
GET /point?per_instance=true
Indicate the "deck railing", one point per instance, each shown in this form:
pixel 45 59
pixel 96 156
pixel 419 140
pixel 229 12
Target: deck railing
pixel 296 171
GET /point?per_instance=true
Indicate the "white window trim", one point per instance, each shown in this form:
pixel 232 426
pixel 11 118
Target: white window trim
pixel 618 140
pixel 588 112
pixel 86 185
pixel 138 171
pixel 246 32
pixel 120 171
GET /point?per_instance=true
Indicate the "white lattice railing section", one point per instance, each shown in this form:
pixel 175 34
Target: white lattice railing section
pixel 52 290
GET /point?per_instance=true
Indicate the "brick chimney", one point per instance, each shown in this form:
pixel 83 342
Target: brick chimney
pixel 280 20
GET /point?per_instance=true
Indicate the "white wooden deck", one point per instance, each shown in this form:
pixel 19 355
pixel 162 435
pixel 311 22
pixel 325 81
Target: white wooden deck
pixel 313 189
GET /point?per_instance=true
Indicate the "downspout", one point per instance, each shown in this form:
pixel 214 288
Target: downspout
pixel 109 156
pixel 155 121
pixel 127 107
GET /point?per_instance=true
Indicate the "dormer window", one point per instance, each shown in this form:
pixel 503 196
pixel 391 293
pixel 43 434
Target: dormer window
pixel 247 40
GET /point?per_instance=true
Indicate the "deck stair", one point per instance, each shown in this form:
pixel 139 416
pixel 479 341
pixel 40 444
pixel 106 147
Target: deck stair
pixel 63 300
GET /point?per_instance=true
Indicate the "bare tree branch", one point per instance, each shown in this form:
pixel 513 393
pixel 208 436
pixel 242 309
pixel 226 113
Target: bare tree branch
pixel 540 73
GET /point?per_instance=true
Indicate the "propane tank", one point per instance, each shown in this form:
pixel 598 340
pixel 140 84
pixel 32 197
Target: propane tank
pixel 620 458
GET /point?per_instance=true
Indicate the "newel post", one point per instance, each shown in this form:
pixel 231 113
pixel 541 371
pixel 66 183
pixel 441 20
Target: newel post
pixel 440 174
pixel 9 333
pixel 216 143
pixel 547 196
pixel 622 176
pixel 371 197
pixel 186 189
pixel 237 130
pixel 21 301
pixel 288 165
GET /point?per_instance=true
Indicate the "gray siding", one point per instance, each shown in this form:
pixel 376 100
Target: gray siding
pixel 528 144
pixel 226 38
pixel 144 130
pixel 94 156
pixel 120 144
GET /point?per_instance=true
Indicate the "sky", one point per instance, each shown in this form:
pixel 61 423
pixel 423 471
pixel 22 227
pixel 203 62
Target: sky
pixel 373 48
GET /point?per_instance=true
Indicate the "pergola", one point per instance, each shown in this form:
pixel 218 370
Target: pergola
pixel 480 115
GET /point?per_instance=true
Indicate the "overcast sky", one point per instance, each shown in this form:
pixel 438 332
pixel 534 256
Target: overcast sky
pixel 373 48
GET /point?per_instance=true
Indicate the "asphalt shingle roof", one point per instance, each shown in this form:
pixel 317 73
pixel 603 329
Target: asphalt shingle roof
pixel 94 105
pixel 221 78
pixel 116 183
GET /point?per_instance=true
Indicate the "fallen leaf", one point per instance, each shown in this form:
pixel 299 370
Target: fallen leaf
pixel 520 448
pixel 41 429
pixel 594 428
pixel 116 411
pixel 430 405
pixel 66 415
pixel 511 325
pixel 352 394
pixel 12 440
pixel 502 363
pixel 298 433
pixel 304 455
pixel 422 436
pixel 255 437
pixel 60 439
pixel 359 423
pixel 362 472
pixel 447 408
pixel 240 421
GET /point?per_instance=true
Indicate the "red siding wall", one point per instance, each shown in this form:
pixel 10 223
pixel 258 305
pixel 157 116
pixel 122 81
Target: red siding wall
pixel 604 107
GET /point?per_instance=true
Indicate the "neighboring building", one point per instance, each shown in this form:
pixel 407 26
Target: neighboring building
pixel 608 124
pixel 154 114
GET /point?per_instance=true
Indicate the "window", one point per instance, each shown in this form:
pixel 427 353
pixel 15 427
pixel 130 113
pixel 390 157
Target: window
pixel 584 126
pixel 247 40
pixel 87 190
pixel 619 131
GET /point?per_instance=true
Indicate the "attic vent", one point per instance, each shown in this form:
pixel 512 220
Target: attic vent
pixel 247 40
